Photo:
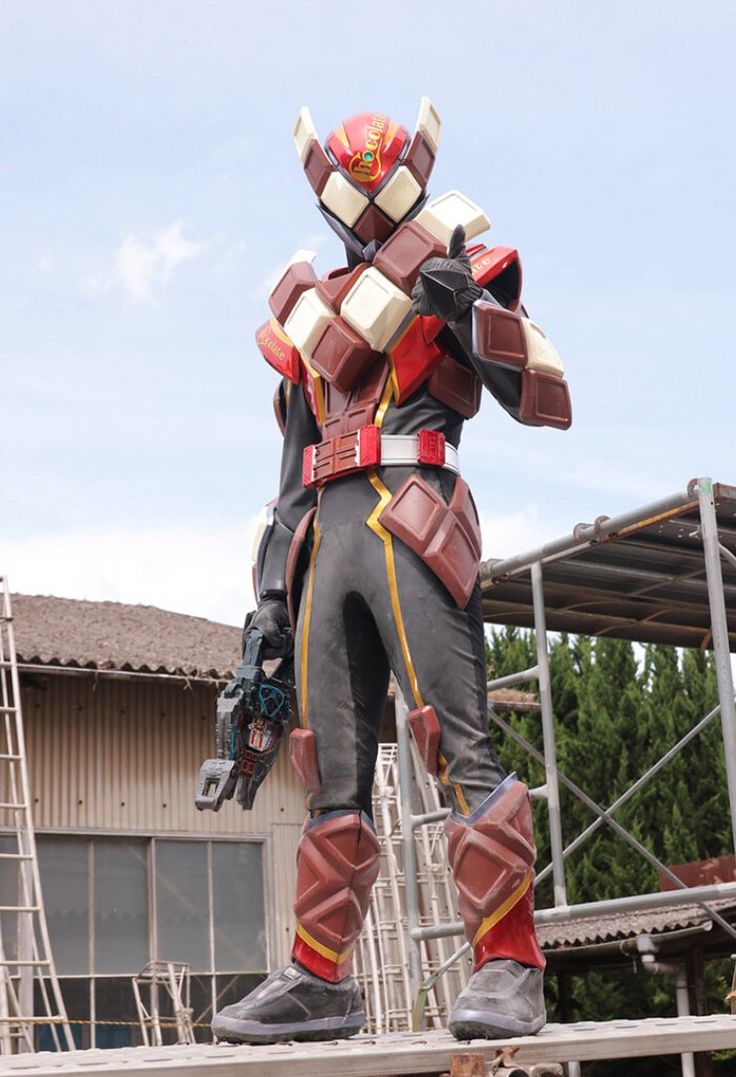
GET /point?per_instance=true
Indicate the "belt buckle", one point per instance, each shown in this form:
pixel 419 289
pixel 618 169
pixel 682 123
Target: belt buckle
pixel 308 462
pixel 368 446
pixel 431 448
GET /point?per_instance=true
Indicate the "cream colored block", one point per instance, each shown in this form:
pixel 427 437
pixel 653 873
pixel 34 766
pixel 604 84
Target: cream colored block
pixel 342 199
pixel 442 215
pixel 399 194
pixel 542 353
pixel 375 308
pixel 304 132
pixel 307 321
pixel 429 123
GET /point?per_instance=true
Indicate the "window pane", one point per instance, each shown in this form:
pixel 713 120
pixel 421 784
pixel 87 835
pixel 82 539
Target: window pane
pixel 115 1002
pixel 182 903
pixel 121 905
pixel 240 925
pixel 201 1002
pixel 75 993
pixel 63 863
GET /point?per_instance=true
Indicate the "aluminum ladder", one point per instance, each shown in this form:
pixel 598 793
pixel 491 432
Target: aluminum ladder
pixel 26 961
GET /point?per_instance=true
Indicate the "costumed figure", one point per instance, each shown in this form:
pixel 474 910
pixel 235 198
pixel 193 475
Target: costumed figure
pixel 371 557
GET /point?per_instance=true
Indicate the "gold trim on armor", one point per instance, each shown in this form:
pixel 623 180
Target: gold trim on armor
pixel 378 529
pixel 504 908
pixel 386 398
pixel 442 775
pixel 385 536
pixel 324 951
pixel 319 393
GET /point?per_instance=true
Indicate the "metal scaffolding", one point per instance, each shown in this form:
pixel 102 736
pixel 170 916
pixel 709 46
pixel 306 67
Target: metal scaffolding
pixel 666 573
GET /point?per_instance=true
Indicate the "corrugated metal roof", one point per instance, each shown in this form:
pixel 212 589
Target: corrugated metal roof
pixel 112 635
pixel 645 582
pixel 616 926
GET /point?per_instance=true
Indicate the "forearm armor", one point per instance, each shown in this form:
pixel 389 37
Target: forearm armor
pixel 516 362
pixel 271 558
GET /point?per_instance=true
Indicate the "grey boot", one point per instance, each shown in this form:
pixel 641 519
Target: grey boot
pixel 502 999
pixel 292 1004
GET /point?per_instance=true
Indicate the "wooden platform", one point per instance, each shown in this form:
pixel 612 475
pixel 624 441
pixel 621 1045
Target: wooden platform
pixel 402 1053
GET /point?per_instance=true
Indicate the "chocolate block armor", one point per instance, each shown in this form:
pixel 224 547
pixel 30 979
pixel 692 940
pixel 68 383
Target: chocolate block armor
pixel 374 547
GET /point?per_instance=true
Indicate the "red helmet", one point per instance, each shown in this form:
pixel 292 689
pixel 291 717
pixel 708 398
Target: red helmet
pixel 370 175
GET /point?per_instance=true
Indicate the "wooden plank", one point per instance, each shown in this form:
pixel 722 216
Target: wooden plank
pixel 394 1054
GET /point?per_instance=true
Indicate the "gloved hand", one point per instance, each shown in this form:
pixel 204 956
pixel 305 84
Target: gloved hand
pixel 445 287
pixel 272 619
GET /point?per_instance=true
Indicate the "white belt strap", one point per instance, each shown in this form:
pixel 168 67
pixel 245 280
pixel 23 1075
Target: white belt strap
pixel 397 449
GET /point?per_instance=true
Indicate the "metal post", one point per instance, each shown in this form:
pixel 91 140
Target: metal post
pixel 411 884
pixel 548 733
pixel 687 1060
pixel 719 628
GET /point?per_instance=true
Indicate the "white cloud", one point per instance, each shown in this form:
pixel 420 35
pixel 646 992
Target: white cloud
pixel 144 264
pixel 310 246
pixel 187 568
pixel 508 533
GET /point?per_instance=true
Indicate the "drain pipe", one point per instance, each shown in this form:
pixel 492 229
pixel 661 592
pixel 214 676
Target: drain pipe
pixel 647 947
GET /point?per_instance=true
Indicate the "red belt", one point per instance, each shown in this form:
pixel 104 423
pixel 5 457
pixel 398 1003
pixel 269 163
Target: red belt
pixel 368 447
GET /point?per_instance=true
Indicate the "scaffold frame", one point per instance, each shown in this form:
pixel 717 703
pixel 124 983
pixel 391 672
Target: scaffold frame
pixel 513 591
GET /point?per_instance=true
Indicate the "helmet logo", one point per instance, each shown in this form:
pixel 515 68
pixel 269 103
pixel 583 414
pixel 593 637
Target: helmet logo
pixel 365 165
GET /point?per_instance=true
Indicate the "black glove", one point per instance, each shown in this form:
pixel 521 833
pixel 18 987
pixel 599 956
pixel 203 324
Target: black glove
pixel 272 619
pixel 445 287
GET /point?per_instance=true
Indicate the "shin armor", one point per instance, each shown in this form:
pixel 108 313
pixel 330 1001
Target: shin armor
pixel 337 864
pixel 492 854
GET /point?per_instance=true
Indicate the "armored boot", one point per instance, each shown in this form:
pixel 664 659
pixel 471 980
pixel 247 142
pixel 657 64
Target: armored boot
pixel 492 854
pixel 316 997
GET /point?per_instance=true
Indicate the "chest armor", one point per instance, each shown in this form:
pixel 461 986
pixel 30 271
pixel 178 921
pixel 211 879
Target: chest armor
pixel 354 341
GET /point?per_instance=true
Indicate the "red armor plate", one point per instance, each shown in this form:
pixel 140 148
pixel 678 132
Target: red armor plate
pixel 296 279
pixel 373 224
pixel 545 400
pixel 425 728
pixel 499 335
pixel 457 386
pixel 413 359
pixel 341 356
pixel 277 349
pixel 420 159
pixel 367 147
pixel 317 166
pixel 402 256
pixel 334 286
pixel 500 264
pixel 446 537
pixel 303 754
pixel 341 455
pixel 348 412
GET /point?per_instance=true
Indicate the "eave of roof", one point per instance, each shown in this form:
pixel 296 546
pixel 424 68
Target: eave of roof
pixel 615 927
pixel 111 637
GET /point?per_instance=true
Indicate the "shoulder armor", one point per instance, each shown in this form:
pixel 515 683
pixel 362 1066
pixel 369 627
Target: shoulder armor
pixel 278 350
pixel 440 216
pixel 296 278
pixel 498 270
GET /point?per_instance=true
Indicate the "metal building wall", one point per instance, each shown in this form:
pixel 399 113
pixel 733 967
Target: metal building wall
pixel 122 756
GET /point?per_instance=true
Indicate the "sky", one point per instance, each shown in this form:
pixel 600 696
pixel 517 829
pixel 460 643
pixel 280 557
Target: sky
pixel 150 192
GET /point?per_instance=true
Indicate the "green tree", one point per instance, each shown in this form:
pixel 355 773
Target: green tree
pixel 617 711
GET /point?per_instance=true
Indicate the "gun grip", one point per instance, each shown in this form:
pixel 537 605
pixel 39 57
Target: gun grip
pixel 215 783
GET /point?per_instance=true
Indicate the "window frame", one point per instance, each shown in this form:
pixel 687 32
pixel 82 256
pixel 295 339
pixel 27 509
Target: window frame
pixel 151 838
